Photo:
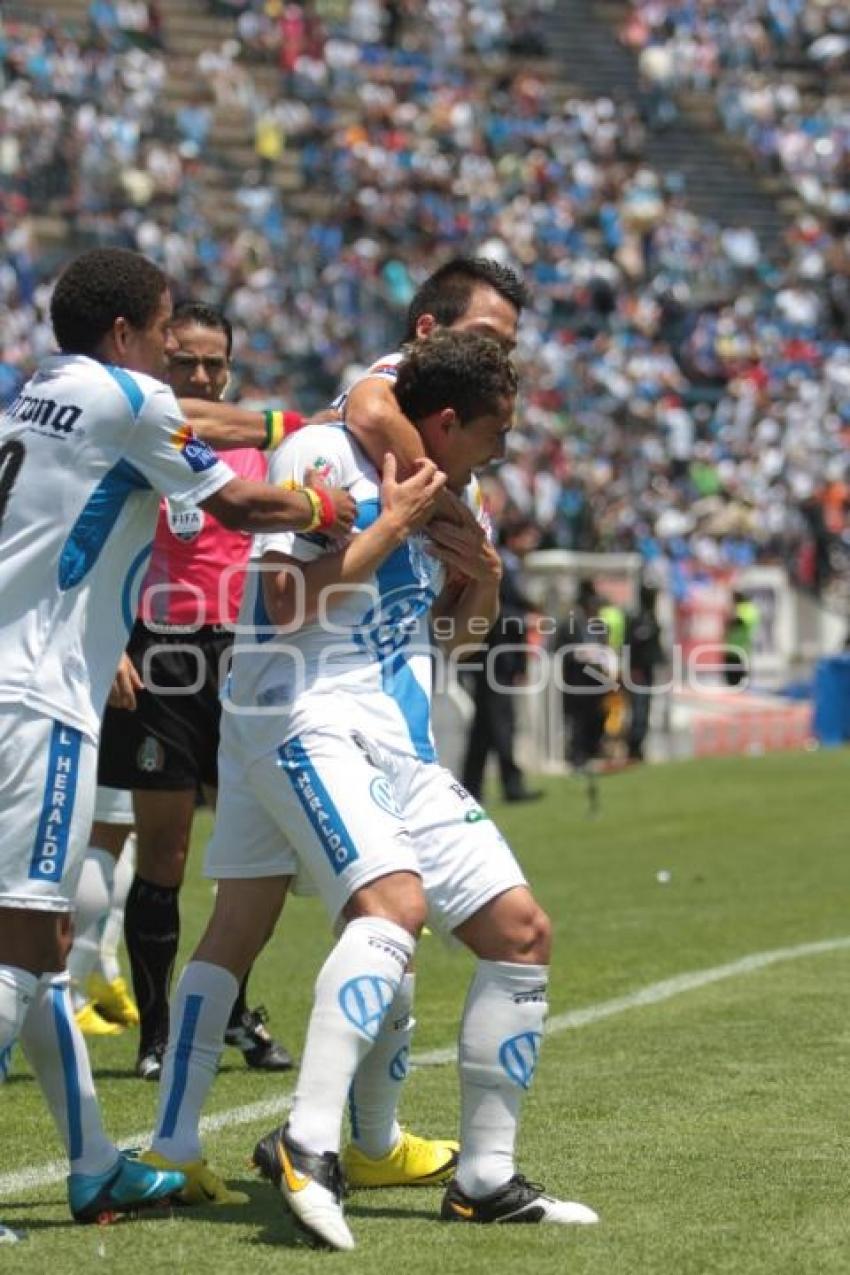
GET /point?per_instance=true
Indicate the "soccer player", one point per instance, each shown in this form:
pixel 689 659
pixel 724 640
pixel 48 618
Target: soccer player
pixel 86 450
pixel 468 295
pixel 165 749
pixel 340 780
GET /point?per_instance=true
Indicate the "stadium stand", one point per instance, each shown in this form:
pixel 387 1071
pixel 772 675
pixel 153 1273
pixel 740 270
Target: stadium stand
pixel 687 380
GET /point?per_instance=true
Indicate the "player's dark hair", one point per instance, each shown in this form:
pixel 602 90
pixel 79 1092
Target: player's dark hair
pixel 463 370
pixel 97 288
pixel 206 316
pixel 446 293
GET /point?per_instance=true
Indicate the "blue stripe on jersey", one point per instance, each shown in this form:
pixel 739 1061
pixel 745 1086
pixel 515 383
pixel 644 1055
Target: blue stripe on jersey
pixel 70 1074
pixel 132 390
pixel 318 805
pixel 400 684
pixel 180 1072
pixel 129 603
pixel 264 630
pixel 92 528
pixel 57 807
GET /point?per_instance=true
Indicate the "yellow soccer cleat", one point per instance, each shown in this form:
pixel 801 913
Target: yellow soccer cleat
pixel 202 1185
pixel 90 1022
pixel 413 1161
pixel 112 1000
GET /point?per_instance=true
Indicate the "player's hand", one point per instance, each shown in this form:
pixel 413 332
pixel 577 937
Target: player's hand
pixel 345 507
pixel 126 683
pixel 409 503
pixel 465 551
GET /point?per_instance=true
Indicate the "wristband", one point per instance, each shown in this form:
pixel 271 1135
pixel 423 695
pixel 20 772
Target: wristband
pixel 328 508
pixel 292 422
pixel 275 423
pixel 316 508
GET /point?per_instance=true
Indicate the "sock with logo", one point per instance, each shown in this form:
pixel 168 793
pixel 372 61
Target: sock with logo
pixel 500 1036
pixel 199 1015
pixel 94 893
pixel 122 878
pixel 56 1050
pixel 376 1088
pixel 354 990
pixel 152 931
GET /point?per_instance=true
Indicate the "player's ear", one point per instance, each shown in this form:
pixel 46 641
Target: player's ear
pixel 120 333
pixel 449 419
pixel 425 325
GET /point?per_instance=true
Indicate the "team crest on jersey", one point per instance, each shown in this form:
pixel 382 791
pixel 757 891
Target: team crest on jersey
pixel 185 524
pixel 322 467
pixel 151 755
pixel 197 454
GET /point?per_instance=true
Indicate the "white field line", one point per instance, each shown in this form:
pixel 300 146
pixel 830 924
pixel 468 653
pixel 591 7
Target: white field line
pixel 12 1184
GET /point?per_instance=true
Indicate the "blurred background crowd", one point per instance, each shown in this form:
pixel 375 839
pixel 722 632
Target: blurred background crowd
pixel 686 387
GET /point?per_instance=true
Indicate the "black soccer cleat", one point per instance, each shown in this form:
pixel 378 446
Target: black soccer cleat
pixel 311 1185
pixel 259 1049
pixel 517 1201
pixel 149 1061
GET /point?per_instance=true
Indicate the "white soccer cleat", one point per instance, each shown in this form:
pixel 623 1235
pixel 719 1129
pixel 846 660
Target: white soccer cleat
pixel 517 1201
pixel 311 1185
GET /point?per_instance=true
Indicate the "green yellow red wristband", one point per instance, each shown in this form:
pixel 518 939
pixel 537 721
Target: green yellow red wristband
pixel 275 429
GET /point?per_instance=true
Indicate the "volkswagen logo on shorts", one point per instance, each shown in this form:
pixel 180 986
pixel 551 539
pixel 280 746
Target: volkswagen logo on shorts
pixel 365 1000
pixel 383 795
pixel 518 1056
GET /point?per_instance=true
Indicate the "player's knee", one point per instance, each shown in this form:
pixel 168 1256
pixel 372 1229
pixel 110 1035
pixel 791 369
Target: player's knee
pixel 531 935
pixel 398 897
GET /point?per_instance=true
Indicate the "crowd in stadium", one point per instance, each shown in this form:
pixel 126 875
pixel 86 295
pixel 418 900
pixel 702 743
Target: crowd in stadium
pixel 685 393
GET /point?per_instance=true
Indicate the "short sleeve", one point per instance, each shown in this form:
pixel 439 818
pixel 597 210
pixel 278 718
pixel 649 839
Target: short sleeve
pixel 175 462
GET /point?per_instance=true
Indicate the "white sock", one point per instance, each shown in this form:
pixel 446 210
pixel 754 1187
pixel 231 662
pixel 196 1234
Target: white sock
pixel 500 1037
pixel 17 992
pixel 376 1088
pixel 348 1010
pixel 94 893
pixel 56 1050
pixel 199 1012
pixel 113 931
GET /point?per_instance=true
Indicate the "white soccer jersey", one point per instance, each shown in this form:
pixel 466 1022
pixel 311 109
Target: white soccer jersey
pixel 374 645
pixel 86 450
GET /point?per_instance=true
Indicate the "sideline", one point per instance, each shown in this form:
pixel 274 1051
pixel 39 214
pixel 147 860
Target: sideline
pixel 653 994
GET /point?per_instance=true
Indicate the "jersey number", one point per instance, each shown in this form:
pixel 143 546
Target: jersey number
pixel 11 458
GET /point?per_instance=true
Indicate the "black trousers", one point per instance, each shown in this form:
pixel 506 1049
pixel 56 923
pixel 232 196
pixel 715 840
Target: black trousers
pixel 492 730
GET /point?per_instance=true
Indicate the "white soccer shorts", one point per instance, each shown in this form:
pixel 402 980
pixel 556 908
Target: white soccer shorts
pixel 347 811
pixel 48 776
pixel 114 806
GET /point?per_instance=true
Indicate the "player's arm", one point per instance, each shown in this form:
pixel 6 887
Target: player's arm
pixel 470 599
pixel 294 594
pixel 225 426
pixel 242 505
pixel 380 426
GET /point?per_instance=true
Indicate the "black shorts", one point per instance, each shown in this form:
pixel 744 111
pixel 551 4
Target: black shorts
pixel 170 741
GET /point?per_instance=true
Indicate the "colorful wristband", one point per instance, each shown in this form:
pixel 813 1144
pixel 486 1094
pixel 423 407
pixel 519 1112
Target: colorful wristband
pixel 328 508
pixel 315 507
pixel 292 422
pixel 275 423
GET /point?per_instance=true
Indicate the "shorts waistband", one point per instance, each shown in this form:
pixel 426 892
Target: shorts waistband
pixel 181 632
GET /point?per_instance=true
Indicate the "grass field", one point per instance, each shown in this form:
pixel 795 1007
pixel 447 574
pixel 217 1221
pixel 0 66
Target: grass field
pixel 709 1127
